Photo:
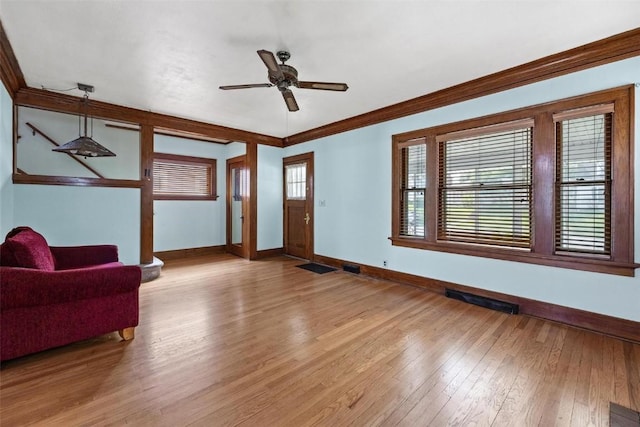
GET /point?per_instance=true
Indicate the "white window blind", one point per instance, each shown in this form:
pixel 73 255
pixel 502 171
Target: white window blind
pixel 484 191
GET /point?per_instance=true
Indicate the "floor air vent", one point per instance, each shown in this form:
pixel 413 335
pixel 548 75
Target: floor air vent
pixel 493 304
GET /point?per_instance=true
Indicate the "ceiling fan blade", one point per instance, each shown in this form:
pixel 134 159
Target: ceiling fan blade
pixel 271 63
pixel 341 87
pixel 290 100
pixel 249 86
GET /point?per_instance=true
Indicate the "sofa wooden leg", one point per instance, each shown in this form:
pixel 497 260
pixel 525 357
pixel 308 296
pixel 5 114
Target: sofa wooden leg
pixel 127 333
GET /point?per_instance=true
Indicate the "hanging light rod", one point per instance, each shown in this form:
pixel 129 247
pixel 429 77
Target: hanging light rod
pixel 85 145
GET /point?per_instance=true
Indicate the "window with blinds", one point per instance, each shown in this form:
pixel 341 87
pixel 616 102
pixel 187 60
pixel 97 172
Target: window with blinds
pixel 183 178
pixel 484 191
pixel 583 181
pixel 549 184
pixel 412 191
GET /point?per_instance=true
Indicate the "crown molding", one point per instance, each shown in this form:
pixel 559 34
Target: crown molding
pixel 43 99
pixel 10 71
pixel 611 49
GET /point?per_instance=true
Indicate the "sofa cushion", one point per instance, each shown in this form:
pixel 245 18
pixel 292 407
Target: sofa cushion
pixel 28 249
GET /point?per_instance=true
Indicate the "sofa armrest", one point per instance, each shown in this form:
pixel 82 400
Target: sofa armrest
pixel 24 287
pixel 67 257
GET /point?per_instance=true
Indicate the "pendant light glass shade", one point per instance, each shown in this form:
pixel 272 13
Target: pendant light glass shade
pixel 85 145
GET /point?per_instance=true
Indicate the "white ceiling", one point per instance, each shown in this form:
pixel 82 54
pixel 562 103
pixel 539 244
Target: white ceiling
pixel 171 56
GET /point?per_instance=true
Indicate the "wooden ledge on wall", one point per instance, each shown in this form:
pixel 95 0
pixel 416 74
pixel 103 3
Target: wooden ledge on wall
pixel 23 178
pixel 189 252
pixel 604 324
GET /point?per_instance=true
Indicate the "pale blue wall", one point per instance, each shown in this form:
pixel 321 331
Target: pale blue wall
pixel 353 178
pixel 6 162
pixel 183 224
pixel 269 197
pixel 69 216
pixel 236 149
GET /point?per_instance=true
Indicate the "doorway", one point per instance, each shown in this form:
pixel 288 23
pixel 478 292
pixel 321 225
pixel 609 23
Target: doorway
pixel 298 205
pixel 237 206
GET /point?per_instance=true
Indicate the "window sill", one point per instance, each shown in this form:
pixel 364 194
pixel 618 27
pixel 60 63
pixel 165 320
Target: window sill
pixel 204 198
pixel 573 262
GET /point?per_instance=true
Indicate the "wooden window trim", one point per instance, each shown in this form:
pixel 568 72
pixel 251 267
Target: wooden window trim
pixel 484 130
pixel 189 160
pixel 542 251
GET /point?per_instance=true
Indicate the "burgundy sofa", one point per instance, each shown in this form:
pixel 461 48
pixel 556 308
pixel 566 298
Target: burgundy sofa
pixel 52 296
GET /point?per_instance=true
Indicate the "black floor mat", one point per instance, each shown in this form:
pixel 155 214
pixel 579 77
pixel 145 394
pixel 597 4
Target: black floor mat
pixel 316 268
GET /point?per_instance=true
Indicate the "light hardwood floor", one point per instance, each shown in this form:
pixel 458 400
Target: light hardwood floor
pixel 224 341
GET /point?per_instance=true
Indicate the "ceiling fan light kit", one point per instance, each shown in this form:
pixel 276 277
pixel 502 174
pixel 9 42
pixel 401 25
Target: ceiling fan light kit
pixel 284 76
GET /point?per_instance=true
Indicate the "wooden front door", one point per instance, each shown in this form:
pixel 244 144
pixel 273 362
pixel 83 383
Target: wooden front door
pixel 298 205
pixel 237 205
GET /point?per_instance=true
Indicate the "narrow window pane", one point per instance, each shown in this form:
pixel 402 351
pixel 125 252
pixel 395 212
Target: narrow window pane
pixel 583 203
pixel 414 180
pixel 296 176
pixel 413 208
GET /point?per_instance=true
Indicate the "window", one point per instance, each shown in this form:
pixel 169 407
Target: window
pixel 296 181
pixel 183 178
pixel 583 187
pixel 548 184
pixel 414 180
pixel 484 185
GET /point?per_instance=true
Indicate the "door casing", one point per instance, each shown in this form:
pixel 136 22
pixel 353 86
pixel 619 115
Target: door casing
pixel 241 250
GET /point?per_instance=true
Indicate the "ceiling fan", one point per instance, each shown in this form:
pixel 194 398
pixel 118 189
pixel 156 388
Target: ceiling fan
pixel 283 76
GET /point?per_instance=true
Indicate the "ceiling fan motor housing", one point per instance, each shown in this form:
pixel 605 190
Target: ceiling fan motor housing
pixel 290 77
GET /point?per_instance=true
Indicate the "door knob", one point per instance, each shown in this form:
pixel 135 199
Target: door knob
pixel 307 218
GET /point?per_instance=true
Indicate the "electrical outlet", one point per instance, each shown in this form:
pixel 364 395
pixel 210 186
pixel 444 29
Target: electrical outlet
pixel 384 263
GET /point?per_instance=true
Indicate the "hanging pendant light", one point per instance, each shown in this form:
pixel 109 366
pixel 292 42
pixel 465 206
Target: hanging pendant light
pixel 85 145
